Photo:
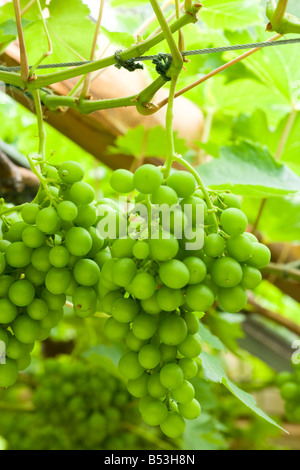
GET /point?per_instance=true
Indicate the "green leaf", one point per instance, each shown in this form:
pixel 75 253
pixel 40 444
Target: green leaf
pixel 283 228
pixel 213 371
pixel 226 327
pixel 249 169
pixel 118 39
pixel 9 32
pixel 231 14
pixel 209 338
pixel 141 142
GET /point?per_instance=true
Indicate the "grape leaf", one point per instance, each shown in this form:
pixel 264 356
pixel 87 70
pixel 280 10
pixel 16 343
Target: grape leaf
pixel 249 169
pixel 226 327
pixel 231 14
pixel 213 371
pixel 117 38
pixel 209 338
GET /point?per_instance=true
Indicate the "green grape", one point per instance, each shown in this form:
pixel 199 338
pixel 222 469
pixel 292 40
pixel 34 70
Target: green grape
pixel 240 248
pixel 284 377
pixel 59 256
pixel 191 347
pixel 141 250
pixel 192 323
pixel 114 330
pixel 168 353
pixel 58 280
pixel 40 259
pixel 233 299
pixel 109 299
pixel 182 182
pixel 85 301
pixel 164 247
pixel 227 200
pixel 164 195
pixel 184 393
pixel 52 319
pixel 226 272
pixel 155 387
pixel 26 329
pixel 106 271
pixel 54 302
pixel 261 256
pixel 47 220
pixel 171 376
pixel 197 269
pixel 2 263
pixel 199 298
pixel 4 336
pixel 4 244
pixel 29 213
pixel 214 245
pixel 21 293
pixel 71 172
pixel 144 326
pixel 195 210
pixel 5 283
pixel 138 387
pixel 172 330
pixel 18 255
pixel 38 309
pixel 189 367
pixel 234 221
pixel 169 299
pixel 37 278
pixel 67 211
pixel 251 237
pixel 191 410
pixel 123 248
pixel 82 193
pixel 174 274
pixel 8 311
pixel 124 310
pixel 133 343
pixel 142 286
pixel 8 373
pixel 130 367
pixel 149 356
pixel 33 237
pixel 87 272
pixel 173 426
pixel 78 241
pixel 147 179
pixel 87 216
pixel 252 277
pixel 155 413
pixel 16 350
pixel 289 391
pixel 123 271
pixel 15 232
pixel 121 181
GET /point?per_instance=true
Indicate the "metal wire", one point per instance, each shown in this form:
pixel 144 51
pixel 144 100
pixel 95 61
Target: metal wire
pixel 210 50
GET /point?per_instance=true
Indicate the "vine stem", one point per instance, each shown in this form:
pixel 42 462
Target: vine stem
pixel 11 210
pixel 23 53
pixel 202 186
pixel 279 12
pixel 88 77
pixel 169 128
pixel 40 121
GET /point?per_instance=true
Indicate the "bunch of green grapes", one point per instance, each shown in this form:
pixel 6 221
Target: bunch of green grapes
pixel 289 386
pixel 45 257
pixel 155 287
pixel 77 406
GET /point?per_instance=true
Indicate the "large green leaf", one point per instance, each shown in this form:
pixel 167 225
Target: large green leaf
pixel 231 14
pixel 213 371
pixel 249 170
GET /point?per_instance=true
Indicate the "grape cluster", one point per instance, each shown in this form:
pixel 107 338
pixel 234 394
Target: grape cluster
pixel 46 256
pixel 77 406
pixel 289 385
pixel 155 288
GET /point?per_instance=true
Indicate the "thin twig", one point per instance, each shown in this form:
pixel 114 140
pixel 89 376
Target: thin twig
pixel 144 26
pixel 26 8
pixel 283 270
pixel 23 53
pixel 87 80
pixel 285 135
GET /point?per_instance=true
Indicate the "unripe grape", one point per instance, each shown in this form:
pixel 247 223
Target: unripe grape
pixel 78 241
pixel 82 193
pixel 234 221
pixel 26 329
pixel 8 373
pixel 174 274
pixel 182 182
pixel 172 330
pixel 21 293
pixel 171 376
pixel 174 425
pixel 47 220
pixel 147 179
pixel 86 272
pixel 191 410
pixel 71 172
pixel 122 181
pixel 8 311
